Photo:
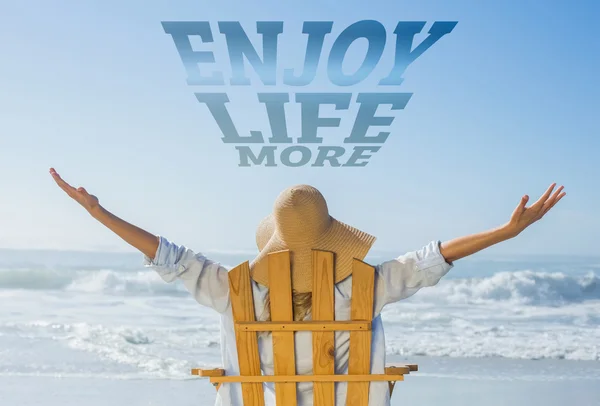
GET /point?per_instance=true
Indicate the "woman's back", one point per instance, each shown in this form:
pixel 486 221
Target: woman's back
pixel 209 284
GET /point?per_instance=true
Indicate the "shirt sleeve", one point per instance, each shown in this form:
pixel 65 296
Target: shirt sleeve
pixel 206 280
pixel 402 277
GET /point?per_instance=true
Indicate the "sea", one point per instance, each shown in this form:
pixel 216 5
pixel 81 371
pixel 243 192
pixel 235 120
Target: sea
pixel 87 318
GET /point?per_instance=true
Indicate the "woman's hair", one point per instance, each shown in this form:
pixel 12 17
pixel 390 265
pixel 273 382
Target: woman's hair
pixel 302 303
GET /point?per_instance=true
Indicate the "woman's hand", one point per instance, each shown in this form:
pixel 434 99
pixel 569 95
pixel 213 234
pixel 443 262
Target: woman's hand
pixel 523 217
pixel 80 195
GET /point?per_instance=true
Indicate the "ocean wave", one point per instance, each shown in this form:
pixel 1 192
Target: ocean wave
pixel 162 352
pixel 521 287
pixel 102 281
pixel 494 339
pixel 143 351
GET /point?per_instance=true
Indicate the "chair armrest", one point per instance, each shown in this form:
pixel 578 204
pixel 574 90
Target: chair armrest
pixel 399 370
pixel 207 373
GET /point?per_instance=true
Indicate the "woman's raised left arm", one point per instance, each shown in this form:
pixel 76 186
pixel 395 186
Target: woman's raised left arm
pixel 521 218
pixel 402 277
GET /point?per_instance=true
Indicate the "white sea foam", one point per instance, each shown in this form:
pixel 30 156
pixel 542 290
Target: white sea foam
pixel 130 323
pixel 97 281
pixel 522 287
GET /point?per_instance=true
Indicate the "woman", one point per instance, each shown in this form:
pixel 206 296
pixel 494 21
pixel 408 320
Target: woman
pixel 300 222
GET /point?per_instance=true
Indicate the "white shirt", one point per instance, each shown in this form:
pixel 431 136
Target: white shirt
pixel 208 282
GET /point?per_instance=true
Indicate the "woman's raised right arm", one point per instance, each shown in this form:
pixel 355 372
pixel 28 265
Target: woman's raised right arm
pixel 206 280
pixel 140 239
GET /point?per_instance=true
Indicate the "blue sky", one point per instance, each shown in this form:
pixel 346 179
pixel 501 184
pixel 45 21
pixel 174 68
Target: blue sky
pixel 503 106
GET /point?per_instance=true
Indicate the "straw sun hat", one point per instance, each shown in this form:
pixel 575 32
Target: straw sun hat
pixel 300 222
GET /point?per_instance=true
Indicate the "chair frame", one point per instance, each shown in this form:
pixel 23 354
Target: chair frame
pixel 323 327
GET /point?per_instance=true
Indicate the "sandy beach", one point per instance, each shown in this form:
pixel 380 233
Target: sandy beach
pixel 440 381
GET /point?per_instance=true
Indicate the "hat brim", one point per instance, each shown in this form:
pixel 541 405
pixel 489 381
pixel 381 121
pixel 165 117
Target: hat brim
pixel 345 241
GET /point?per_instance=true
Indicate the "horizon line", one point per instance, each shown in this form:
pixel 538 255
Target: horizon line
pixel 255 252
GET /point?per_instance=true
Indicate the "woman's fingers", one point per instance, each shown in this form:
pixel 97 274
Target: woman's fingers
pixel 554 201
pixel 556 194
pixel 521 207
pixel 524 201
pixel 540 203
pixel 71 191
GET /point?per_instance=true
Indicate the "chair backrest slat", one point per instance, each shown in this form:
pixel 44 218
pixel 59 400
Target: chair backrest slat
pixel 323 310
pixel 282 310
pixel 242 305
pixel 359 362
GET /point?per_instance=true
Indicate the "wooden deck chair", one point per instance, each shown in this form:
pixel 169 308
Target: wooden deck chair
pixel 322 325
